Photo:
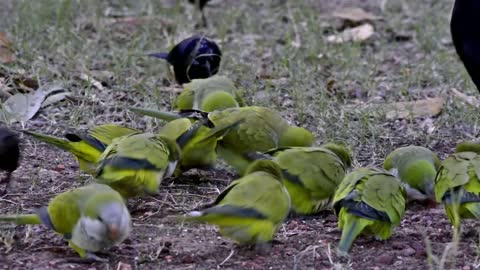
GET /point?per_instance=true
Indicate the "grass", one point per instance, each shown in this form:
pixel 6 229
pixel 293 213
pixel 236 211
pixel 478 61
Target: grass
pixel 62 39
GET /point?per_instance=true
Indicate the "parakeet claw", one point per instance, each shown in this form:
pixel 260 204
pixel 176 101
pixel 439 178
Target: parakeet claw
pixel 88 259
pixel 94 257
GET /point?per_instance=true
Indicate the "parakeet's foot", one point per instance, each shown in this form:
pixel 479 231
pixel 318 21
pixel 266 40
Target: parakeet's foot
pixel 342 254
pixel 263 248
pixel 88 259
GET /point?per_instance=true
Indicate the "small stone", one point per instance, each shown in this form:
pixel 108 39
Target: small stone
pixel 385 259
pixel 188 259
pixel 407 252
pixel 466 267
pixel 398 245
pixel 419 249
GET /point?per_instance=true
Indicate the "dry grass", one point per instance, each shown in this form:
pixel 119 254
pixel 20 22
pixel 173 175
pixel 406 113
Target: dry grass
pixel 62 39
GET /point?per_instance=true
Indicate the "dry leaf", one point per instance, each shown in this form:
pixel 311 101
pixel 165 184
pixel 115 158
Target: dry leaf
pixel 22 107
pixel 355 14
pixel 172 89
pixel 91 80
pixel 6 54
pixel 421 108
pixel 359 33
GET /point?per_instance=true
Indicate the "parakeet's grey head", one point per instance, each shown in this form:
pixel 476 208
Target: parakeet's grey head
pixel 109 227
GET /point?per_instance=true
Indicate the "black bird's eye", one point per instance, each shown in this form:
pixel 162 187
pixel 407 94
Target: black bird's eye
pixel 100 219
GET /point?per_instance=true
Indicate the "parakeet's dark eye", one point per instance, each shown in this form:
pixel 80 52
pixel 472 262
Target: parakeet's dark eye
pixel 100 219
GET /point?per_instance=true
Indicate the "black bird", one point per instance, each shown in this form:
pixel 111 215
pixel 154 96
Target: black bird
pixel 193 58
pixel 200 4
pixel 466 36
pixel 9 154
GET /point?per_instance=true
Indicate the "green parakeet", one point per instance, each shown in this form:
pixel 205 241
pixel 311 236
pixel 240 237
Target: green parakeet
pixel 416 167
pixel 251 209
pixel 137 163
pixel 86 147
pixel 210 94
pixel 198 143
pixel 90 218
pixel 458 184
pixel 368 200
pixel 262 129
pixel 312 174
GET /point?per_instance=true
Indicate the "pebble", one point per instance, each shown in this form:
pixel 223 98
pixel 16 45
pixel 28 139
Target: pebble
pixel 407 252
pixel 385 259
pixel 398 245
pixel 419 249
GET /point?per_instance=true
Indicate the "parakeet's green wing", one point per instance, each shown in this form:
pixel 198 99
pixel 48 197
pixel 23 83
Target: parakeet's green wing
pixel 311 163
pixel 452 173
pixel 260 195
pixel 106 133
pixel 142 147
pixel 389 199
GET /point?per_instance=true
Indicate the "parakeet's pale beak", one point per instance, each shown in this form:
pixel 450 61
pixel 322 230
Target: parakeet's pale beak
pixel 113 232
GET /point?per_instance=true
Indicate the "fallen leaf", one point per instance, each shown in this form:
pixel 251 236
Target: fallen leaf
pixel 22 107
pixel 91 80
pixel 356 34
pixel 55 97
pixel 6 53
pixel 421 108
pixel 355 14
pixel 172 89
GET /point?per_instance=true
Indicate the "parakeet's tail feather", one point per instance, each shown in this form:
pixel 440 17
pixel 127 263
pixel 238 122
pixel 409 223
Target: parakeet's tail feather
pixel 161 55
pixel 58 142
pixel 166 116
pixel 215 212
pixel 350 231
pixel 218 131
pixel 21 219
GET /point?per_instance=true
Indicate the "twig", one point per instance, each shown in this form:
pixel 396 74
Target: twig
pixel 297 43
pixel 228 257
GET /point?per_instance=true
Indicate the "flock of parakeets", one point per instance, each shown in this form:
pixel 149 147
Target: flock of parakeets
pixel 280 170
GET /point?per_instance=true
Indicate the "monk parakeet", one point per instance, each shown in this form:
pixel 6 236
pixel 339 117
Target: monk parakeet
pixel 210 94
pixel 368 200
pixel 262 129
pixel 90 218
pixel 457 184
pixel 86 147
pixel 466 37
pixel 198 142
pixel 9 155
pixel 251 209
pixel 193 58
pixel 311 174
pixel 137 163
pixel 416 167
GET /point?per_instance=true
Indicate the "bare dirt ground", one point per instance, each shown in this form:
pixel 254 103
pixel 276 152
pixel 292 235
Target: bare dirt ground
pixel 409 57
